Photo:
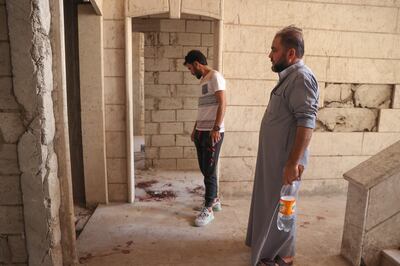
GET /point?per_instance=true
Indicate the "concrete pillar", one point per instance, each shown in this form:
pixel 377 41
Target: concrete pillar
pixel 92 104
pixel 32 64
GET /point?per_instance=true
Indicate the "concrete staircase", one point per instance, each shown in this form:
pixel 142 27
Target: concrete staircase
pixel 390 257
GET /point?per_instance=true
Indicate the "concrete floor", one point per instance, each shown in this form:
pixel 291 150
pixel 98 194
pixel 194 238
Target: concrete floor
pixel 156 231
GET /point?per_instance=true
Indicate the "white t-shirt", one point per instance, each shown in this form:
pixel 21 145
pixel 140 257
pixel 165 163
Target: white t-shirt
pixel 208 104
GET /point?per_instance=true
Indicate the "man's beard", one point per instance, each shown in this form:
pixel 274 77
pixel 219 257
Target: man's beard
pixel 279 66
pixel 198 74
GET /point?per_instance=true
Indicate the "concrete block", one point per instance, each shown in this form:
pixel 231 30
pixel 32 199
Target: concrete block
pixel 338 93
pixel 245 12
pixel 114 62
pixel 150 104
pixel 389 120
pixel 338 143
pixel 9 167
pixel 171 128
pixel 172 25
pixel 207 39
pixel 386 191
pixel 116 171
pixel 207 8
pixel 198 26
pixel 396 97
pixel 253 66
pixel 210 53
pixel 17 248
pixel 114 33
pixel 11 127
pixel 311 187
pixel 11 220
pixel 237 168
pixel 347 119
pixel 7 99
pixel 148 26
pixel 113 9
pixel 376 142
pixel 152 153
pixel 147 116
pixel 240 38
pixel 361 70
pixel 170 103
pixel 189 79
pixel 162 140
pixel 184 140
pixel 10 190
pixel 170 77
pixel 190 152
pixel 5 62
pixel 8 152
pixel 188 127
pixel 177 65
pixel 373 96
pixel 249 92
pixel 190 103
pixel 250 118
pixel 116 144
pixel 171 152
pixel 188 90
pixel 151 128
pixel 184 38
pixel 248 144
pixel 334 17
pixel 163 116
pixel 115 117
pixel 147 140
pixel 318 165
pixel 150 52
pixel 155 90
pixel 186 115
pixel 114 90
pixel 156 64
pixel 319 66
pixel 170 52
pixel 168 164
pixel 349 44
pixel 3 24
pixel 118 192
pixel 187 164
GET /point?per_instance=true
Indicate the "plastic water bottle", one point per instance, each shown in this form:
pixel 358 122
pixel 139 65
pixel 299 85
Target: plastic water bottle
pixel 287 206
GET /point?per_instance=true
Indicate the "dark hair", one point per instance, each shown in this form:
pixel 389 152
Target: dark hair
pixel 292 37
pixel 195 55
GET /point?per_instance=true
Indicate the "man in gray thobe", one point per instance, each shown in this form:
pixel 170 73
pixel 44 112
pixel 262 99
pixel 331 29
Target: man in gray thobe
pixel 285 134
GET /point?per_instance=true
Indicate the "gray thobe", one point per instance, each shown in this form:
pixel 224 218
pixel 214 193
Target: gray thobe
pixel 293 102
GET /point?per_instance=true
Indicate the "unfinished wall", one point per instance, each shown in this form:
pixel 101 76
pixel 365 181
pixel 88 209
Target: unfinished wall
pixel 31 59
pixel 356 63
pixel 12 232
pixel 171 92
pixel 114 99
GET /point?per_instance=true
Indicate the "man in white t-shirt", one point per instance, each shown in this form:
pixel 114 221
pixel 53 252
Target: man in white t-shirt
pixel 208 131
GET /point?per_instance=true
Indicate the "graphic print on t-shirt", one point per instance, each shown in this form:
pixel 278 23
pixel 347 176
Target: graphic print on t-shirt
pixel 204 89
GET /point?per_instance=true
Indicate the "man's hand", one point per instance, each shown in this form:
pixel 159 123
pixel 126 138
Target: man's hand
pixel 215 137
pixel 292 172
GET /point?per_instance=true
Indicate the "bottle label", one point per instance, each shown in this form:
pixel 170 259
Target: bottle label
pixel 287 205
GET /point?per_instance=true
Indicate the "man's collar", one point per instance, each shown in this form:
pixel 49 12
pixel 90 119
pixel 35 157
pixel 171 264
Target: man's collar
pixel 284 73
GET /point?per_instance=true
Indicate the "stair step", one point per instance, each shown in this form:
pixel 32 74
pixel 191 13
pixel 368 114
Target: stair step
pixel 390 257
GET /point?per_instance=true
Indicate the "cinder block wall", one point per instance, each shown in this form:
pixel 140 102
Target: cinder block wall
pixel 351 47
pixel 12 233
pixel 171 92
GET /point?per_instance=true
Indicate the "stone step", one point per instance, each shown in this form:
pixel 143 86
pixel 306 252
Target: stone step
pixel 390 257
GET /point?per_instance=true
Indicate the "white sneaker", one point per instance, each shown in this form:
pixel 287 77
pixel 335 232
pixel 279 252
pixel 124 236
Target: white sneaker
pixel 204 217
pixel 215 207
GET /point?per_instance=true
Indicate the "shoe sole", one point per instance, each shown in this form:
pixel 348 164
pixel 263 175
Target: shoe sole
pixel 201 225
